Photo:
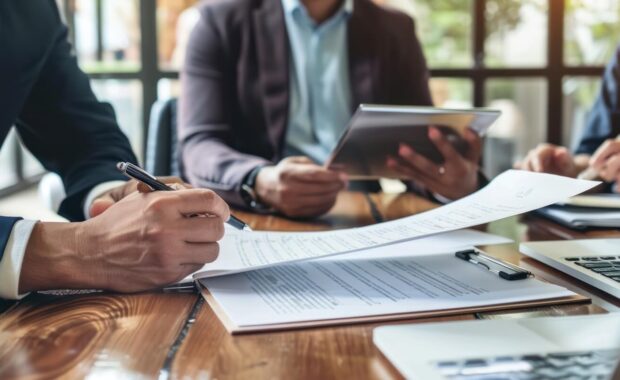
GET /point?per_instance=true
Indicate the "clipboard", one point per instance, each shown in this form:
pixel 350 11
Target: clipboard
pixel 234 329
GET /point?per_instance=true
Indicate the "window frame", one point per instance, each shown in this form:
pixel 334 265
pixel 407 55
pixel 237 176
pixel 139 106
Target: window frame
pixel 553 73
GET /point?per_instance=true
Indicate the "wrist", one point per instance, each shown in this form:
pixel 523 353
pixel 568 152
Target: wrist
pixel 253 190
pixel 53 259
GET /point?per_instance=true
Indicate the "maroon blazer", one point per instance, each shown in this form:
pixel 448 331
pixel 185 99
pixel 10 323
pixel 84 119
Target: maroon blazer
pixel 235 84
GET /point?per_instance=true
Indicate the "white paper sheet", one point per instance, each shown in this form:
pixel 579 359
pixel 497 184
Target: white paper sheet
pixel 511 193
pixel 334 288
pixel 436 244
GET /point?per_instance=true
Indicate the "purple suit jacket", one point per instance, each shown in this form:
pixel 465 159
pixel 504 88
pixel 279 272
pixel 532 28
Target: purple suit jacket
pixel 235 84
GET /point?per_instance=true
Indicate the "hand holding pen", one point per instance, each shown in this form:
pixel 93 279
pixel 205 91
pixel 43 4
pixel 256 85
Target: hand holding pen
pixel 135 172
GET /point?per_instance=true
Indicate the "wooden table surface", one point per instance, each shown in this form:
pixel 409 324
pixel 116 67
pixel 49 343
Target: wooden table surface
pixel 178 336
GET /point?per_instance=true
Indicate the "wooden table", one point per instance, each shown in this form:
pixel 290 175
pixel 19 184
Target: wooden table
pixel 178 336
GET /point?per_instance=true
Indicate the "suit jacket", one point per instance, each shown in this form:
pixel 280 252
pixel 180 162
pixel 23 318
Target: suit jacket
pixel 604 118
pixel 48 99
pixel 235 84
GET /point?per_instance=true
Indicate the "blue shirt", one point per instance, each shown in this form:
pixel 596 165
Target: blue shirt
pixel 604 118
pixel 320 93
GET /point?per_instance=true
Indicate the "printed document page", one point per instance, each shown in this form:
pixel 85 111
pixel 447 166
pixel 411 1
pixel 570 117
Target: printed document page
pixel 511 193
pixel 437 244
pixel 334 288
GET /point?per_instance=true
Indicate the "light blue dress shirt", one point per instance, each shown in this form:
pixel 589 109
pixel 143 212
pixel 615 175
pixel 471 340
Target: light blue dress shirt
pixel 320 93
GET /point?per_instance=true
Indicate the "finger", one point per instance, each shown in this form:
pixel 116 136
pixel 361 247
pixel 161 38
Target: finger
pixel 200 253
pixel 200 229
pixel 299 160
pixel 100 205
pixel 611 169
pixel 563 159
pixel 175 182
pixel 316 200
pixel 411 173
pixel 443 145
pixel 541 160
pixel 609 148
pixel 409 157
pixel 527 162
pixel 199 201
pixel 144 188
pixel 311 173
pixel 474 142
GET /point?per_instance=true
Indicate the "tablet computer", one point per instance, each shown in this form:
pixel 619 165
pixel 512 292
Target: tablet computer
pixel 375 132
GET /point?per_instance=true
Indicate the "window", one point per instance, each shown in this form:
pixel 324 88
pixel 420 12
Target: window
pixel 539 61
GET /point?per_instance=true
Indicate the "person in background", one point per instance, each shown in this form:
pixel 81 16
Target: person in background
pixel 268 86
pixel 134 241
pixel 598 153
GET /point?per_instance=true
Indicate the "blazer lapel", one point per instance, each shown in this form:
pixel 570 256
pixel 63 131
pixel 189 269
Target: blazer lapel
pixel 361 55
pixel 273 65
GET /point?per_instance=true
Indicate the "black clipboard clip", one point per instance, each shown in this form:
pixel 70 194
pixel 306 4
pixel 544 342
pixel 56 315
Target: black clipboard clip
pixel 503 269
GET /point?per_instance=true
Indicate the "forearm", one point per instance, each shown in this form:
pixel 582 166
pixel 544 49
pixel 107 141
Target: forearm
pixel 53 261
pixel 222 170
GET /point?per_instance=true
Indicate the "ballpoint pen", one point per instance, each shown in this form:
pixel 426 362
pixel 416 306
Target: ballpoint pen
pixel 135 172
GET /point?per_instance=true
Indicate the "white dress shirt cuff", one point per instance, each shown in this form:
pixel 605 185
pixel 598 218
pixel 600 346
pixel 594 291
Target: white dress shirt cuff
pixel 97 191
pixel 11 263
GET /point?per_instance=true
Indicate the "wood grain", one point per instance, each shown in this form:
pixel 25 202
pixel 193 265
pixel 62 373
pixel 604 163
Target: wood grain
pixel 351 210
pixel 130 336
pixel 50 337
pixel 321 353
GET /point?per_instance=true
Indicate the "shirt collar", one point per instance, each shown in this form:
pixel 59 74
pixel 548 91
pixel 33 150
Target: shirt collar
pixel 291 6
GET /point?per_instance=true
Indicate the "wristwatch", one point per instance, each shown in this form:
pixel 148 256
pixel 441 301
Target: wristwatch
pixel 248 192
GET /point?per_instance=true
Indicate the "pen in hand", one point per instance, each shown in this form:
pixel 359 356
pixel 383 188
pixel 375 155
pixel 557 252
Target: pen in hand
pixel 135 172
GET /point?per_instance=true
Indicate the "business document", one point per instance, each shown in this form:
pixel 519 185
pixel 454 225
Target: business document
pixel 511 193
pixel 335 290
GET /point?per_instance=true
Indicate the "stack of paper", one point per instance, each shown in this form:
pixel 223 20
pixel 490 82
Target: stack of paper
pixel 511 193
pixel 260 282
pixel 335 291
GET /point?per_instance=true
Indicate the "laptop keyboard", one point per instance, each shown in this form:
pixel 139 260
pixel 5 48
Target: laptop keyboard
pixel 608 266
pixel 594 365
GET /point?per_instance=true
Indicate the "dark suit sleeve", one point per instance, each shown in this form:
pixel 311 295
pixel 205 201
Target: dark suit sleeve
pixel 414 67
pixel 6 226
pixel 68 129
pixel 206 134
pixel 604 119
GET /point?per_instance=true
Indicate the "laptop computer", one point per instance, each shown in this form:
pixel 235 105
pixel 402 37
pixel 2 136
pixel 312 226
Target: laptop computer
pixel 593 261
pixel 581 347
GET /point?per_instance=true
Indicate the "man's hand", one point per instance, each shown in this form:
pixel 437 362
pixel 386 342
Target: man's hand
pixel 297 187
pixel 606 161
pixel 144 241
pixel 107 199
pixel 548 158
pixel 454 179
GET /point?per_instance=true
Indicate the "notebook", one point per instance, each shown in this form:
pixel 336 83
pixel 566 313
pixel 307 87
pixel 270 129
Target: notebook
pixel 582 217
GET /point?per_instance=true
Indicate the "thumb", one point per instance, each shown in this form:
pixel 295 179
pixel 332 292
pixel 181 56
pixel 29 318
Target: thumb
pixel 100 205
